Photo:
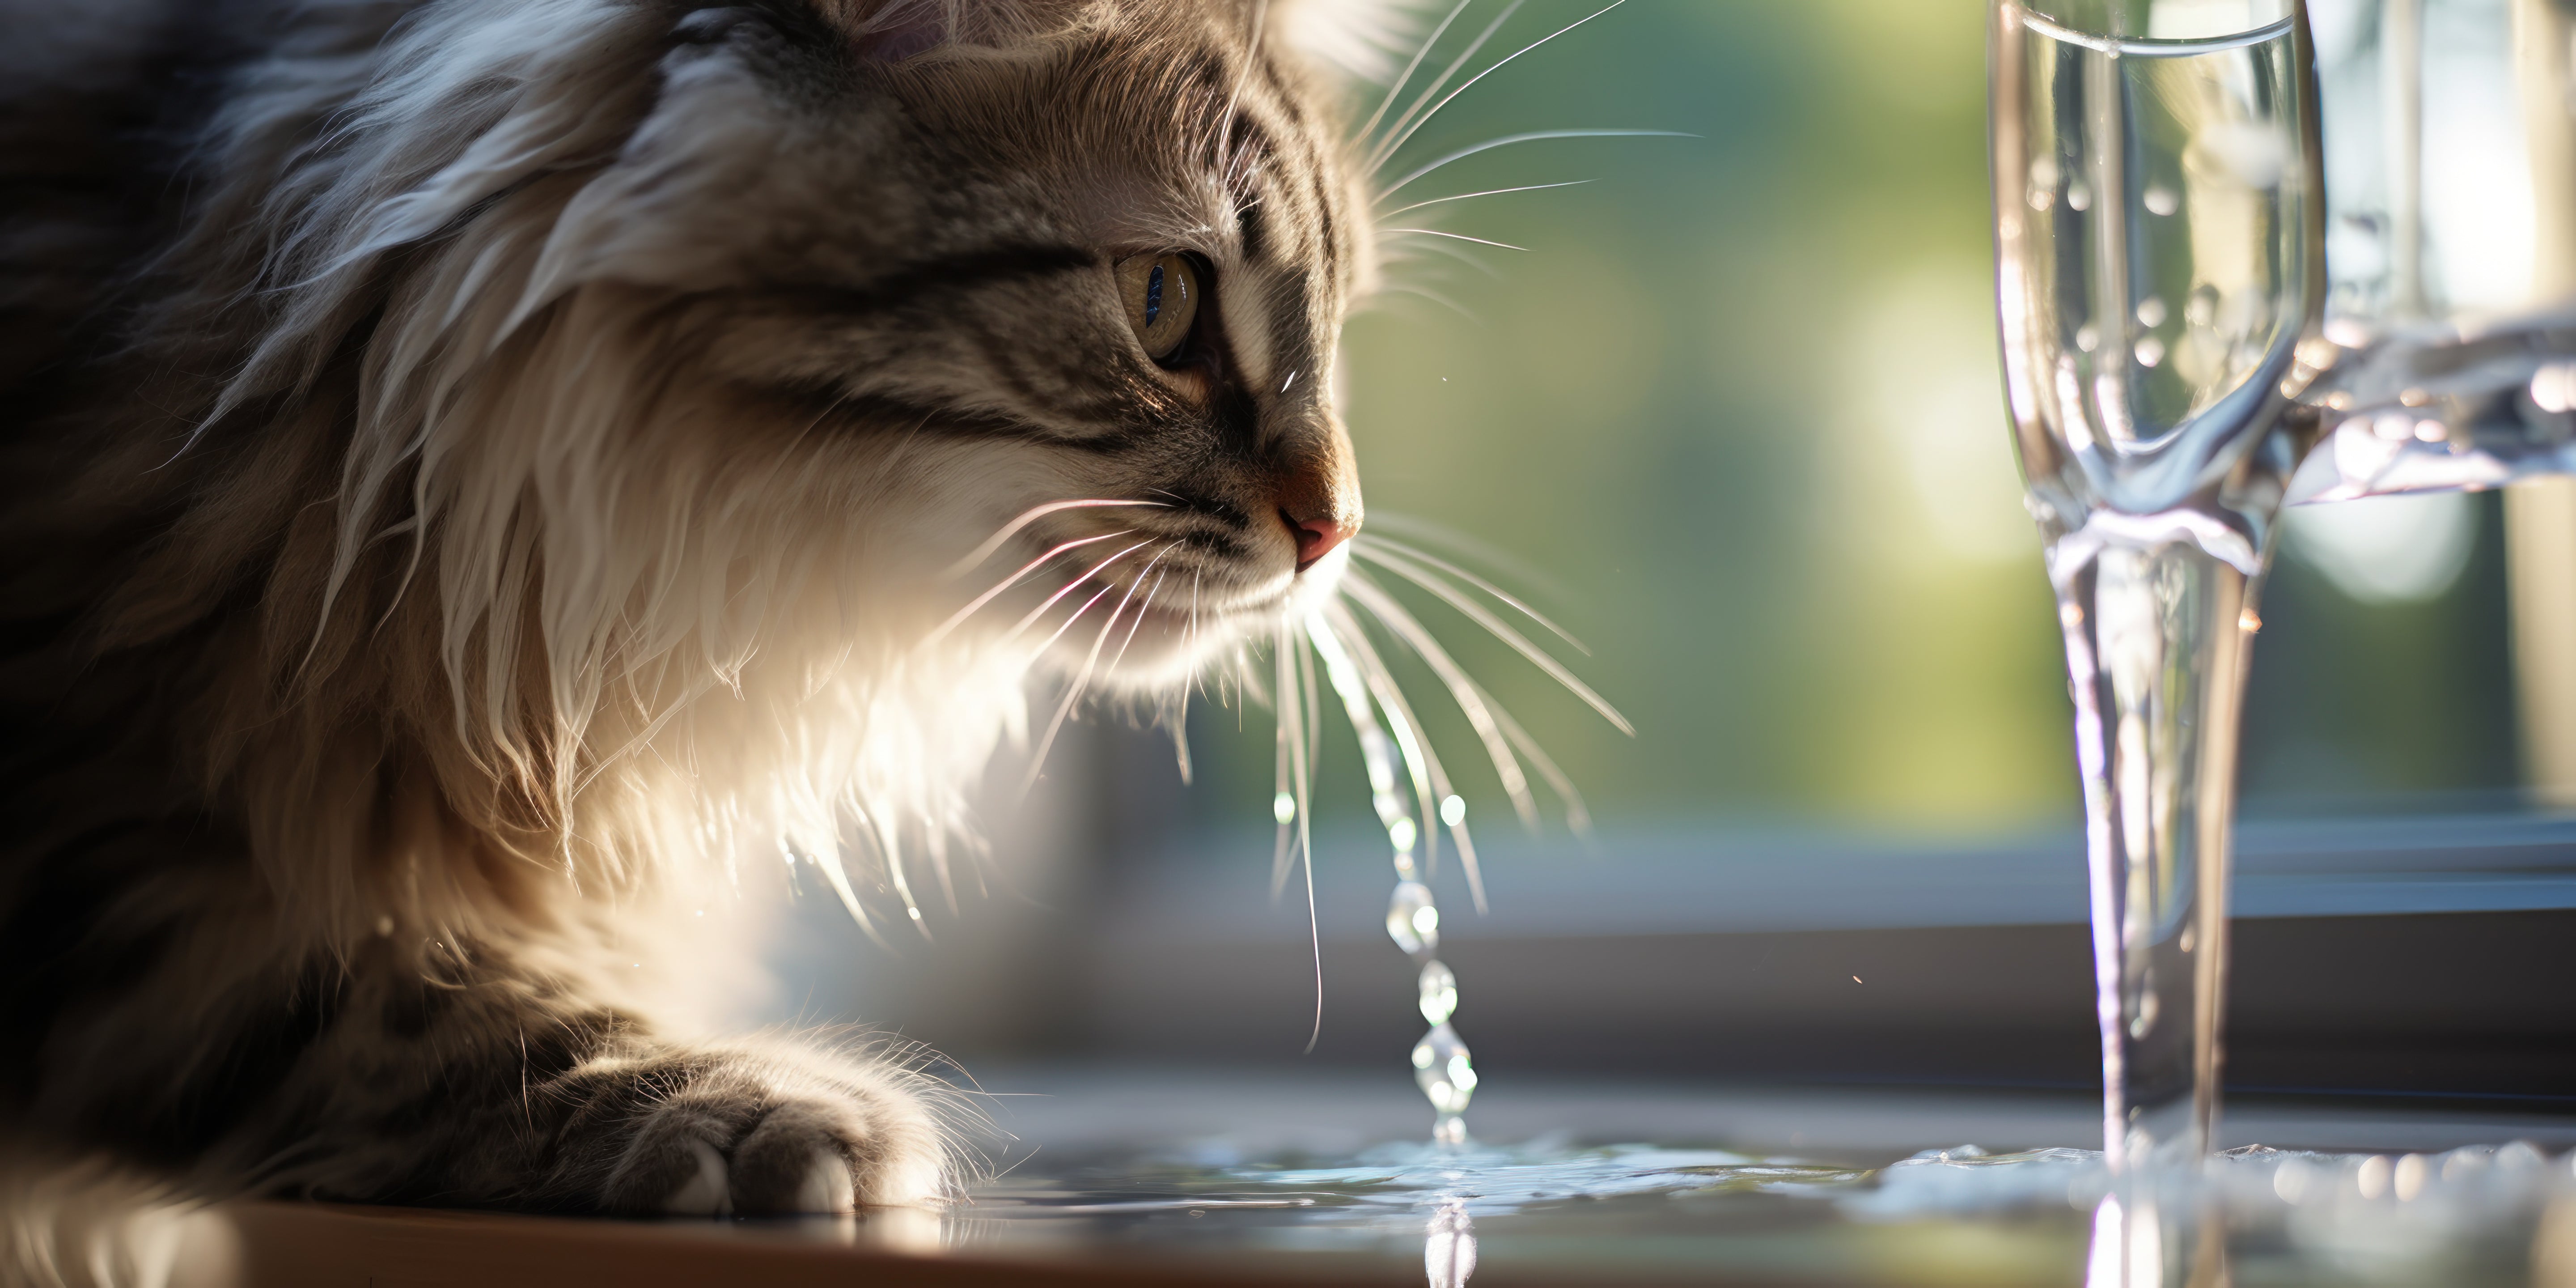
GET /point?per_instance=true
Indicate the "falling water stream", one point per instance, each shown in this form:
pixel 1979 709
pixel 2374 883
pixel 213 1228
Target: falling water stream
pixel 1441 1063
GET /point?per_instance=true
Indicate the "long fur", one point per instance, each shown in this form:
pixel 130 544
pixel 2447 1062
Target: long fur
pixel 486 484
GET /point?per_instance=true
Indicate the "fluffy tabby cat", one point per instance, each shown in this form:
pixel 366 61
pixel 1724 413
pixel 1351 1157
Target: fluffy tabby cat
pixel 479 472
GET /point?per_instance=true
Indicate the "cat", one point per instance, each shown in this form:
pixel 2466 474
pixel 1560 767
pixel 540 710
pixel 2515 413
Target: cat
pixel 482 475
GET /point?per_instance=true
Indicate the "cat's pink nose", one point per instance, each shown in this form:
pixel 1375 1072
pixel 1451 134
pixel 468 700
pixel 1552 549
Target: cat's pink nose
pixel 1317 537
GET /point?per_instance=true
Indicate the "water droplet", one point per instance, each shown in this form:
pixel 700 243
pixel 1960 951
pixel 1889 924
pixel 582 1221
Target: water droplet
pixel 1283 807
pixel 2087 339
pixel 1411 920
pixel 2150 351
pixel 2043 172
pixel 1439 993
pixel 2160 200
pixel 1442 1066
pixel 1453 809
pixel 2144 1021
pixel 2079 195
pixel 2151 312
pixel 1403 833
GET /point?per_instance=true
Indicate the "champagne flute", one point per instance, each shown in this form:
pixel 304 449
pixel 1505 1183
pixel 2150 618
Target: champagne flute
pixel 2160 282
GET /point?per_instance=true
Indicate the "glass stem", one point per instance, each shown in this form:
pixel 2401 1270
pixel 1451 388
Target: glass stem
pixel 2156 643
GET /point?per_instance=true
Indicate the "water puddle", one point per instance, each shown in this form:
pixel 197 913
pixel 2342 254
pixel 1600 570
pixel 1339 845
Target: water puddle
pixel 1555 1211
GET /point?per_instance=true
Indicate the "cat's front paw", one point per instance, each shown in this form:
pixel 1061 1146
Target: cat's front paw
pixel 742 1133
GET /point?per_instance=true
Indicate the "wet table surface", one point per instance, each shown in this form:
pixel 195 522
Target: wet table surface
pixel 1220 1176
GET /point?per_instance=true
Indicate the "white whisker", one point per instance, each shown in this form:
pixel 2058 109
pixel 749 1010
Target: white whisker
pixel 1379 151
pixel 1305 765
pixel 1397 138
pixel 1199 674
pixel 1377 547
pixel 1234 100
pixel 1031 515
pixel 1067 589
pixel 1420 52
pixel 1096 597
pixel 1014 579
pixel 1436 298
pixel 1489 192
pixel 1578 820
pixel 1464 691
pixel 1314 697
pixel 1181 713
pixel 1422 760
pixel 1502 630
pixel 1280 782
pixel 1142 609
pixel 1434 232
pixel 1350 680
pixel 1453 545
pixel 1081 684
pixel 1444 249
pixel 1531 137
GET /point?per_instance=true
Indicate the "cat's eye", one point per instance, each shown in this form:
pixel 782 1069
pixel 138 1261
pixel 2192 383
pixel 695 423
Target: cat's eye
pixel 1162 297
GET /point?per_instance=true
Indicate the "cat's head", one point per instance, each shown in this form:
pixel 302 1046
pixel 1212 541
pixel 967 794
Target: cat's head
pixel 1091 252
pixel 758 348
pixel 725 315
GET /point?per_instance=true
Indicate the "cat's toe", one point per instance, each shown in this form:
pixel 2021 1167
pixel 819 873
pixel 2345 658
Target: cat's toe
pixel 799 1160
pixel 677 1164
pixel 705 1193
pixel 761 1141
pixel 828 1186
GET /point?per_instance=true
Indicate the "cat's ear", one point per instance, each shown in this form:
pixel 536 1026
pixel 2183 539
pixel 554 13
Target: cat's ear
pixel 1368 39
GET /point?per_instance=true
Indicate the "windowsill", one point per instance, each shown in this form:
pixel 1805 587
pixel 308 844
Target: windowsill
pixel 1675 881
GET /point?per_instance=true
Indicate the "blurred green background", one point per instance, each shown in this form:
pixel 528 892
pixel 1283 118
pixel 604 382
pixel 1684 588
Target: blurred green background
pixel 1734 417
